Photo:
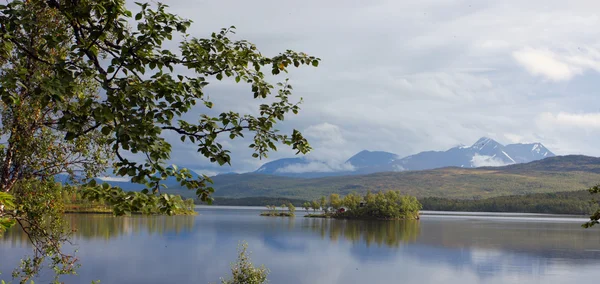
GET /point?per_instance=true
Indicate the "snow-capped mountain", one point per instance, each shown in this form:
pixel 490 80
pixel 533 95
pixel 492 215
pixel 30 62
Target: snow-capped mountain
pixel 484 152
pixel 523 153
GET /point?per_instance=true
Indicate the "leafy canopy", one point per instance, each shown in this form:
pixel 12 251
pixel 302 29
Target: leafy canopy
pixel 143 89
pixel 87 85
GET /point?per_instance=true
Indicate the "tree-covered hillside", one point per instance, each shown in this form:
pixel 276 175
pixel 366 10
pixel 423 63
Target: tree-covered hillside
pixel 556 174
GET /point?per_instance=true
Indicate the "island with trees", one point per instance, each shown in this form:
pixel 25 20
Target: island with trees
pixel 388 205
pixel 273 212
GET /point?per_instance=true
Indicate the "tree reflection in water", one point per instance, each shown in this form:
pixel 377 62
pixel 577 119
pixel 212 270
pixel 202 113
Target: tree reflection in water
pixel 373 232
pixel 103 226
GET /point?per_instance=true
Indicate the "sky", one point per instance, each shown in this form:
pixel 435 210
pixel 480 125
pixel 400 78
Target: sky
pixel 410 76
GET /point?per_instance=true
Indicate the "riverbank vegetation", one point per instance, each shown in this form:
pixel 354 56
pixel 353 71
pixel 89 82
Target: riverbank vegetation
pixel 253 201
pixel 74 201
pixel 381 205
pixel 570 203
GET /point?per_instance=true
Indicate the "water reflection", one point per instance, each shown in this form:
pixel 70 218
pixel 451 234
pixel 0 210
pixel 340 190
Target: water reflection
pixel 106 227
pixel 297 250
pixel 380 233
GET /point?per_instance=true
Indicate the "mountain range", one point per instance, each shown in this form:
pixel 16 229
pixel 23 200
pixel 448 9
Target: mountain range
pixel 553 174
pixel 484 152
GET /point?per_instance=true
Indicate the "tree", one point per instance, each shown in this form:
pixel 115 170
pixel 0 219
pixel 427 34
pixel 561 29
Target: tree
pixel 291 207
pixel 306 205
pixel 316 205
pixel 283 206
pixel 323 204
pixel 352 201
pixel 335 201
pixel 87 86
pixel 244 272
pixel 596 215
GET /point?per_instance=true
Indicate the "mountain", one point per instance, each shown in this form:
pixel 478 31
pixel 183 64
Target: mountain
pixel 367 162
pixel 484 152
pixel 366 159
pixel 553 174
pixel 301 167
pixel 523 153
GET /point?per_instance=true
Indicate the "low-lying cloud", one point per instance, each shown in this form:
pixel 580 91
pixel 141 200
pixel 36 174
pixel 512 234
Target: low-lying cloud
pixel 486 161
pixel 316 167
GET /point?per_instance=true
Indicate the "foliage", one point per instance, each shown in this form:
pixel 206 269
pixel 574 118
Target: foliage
pixel 595 216
pixel 323 204
pixel 87 85
pixel 390 204
pixel 306 206
pixel 576 203
pixel 38 212
pixel 453 183
pixel 255 201
pixel 273 212
pixel 315 205
pixel 291 208
pixel 572 202
pixel 244 272
pixel 277 214
pixel 352 201
pixel 335 201
pixel 6 204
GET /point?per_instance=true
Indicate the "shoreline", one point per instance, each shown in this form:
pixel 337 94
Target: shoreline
pixel 423 212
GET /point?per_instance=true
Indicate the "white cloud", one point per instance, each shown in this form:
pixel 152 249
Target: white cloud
pixel 486 161
pixel 329 145
pixel 513 138
pixel 546 63
pixel 586 121
pixel 316 167
pixel 409 76
pixel 326 133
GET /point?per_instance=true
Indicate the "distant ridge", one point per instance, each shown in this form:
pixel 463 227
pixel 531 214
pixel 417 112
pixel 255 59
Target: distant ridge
pixel 484 152
pixel 554 174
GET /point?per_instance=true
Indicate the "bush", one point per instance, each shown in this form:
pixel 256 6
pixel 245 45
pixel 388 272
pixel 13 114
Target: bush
pixel 244 272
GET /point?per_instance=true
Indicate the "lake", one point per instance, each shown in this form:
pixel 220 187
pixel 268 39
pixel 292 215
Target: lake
pixel 441 248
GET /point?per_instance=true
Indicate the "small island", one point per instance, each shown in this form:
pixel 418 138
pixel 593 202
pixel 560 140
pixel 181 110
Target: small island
pixel 273 212
pixel 388 205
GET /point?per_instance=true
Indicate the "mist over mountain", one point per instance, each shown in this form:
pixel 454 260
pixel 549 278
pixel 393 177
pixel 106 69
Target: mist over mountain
pixel 484 152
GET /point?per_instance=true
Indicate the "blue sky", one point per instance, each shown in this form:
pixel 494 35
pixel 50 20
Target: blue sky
pixel 409 76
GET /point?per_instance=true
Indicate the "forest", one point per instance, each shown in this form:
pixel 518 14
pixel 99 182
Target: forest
pixel 573 203
pixel 387 205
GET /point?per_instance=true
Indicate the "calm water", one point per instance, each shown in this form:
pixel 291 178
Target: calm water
pixel 436 249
